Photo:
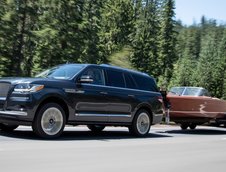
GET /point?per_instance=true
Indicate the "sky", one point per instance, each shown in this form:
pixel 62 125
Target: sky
pixel 189 11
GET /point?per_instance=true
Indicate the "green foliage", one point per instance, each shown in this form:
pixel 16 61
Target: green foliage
pixel 167 41
pixel 144 56
pixel 201 50
pixel 121 58
pixel 139 34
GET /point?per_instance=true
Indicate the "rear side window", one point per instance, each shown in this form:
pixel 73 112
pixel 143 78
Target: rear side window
pixel 145 83
pixel 115 78
pixel 129 81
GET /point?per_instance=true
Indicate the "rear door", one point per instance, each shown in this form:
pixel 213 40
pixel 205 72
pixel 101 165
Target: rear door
pixel 120 99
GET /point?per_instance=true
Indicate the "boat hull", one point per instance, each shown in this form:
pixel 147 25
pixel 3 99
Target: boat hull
pixel 196 108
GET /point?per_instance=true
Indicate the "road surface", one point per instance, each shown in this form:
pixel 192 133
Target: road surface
pixel 166 149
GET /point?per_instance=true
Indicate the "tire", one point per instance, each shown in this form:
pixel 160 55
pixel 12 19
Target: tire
pixel 96 128
pixel 141 124
pixel 50 121
pixel 192 126
pixel 8 127
pixel 184 126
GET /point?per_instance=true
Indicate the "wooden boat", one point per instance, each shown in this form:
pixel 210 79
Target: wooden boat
pixel 192 106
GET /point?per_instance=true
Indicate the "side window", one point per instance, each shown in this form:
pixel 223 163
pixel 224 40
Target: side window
pixel 96 74
pixel 115 78
pixel 145 83
pixel 129 81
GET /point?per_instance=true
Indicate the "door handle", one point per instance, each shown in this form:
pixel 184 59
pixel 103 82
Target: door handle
pixel 103 92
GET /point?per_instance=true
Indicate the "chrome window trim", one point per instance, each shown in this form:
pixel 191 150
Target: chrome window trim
pixel 105 86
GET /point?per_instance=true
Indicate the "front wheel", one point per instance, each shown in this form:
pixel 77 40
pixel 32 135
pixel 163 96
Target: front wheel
pixel 8 127
pixel 96 128
pixel 49 121
pixel 141 124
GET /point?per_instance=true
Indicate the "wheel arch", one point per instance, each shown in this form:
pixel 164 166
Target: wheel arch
pixel 57 100
pixel 146 107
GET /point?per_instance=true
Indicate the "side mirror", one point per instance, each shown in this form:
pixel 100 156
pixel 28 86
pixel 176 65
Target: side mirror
pixel 86 79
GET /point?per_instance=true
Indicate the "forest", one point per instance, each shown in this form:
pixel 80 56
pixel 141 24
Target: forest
pixel 143 35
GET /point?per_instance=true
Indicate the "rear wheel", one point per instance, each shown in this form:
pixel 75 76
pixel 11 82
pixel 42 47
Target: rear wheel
pixel 141 124
pixel 8 127
pixel 49 121
pixel 192 126
pixel 184 126
pixel 96 128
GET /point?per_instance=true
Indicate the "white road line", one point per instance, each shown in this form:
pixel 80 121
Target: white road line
pixel 223 139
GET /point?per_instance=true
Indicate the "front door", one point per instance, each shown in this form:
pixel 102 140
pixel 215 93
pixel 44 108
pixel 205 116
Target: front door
pixel 91 103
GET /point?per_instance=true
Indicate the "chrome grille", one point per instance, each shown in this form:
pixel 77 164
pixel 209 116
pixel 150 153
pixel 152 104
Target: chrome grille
pixel 4 88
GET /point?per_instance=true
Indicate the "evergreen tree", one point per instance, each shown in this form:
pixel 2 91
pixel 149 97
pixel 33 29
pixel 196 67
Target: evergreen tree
pixel 145 43
pixel 167 42
pixel 61 33
pixel 188 48
pixel 18 20
pixel 116 26
pixel 91 22
pixel 204 76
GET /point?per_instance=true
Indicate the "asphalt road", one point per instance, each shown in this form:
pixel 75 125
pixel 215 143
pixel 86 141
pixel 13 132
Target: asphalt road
pixel 166 149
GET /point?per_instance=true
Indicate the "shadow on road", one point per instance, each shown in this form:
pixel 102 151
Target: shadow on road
pixel 213 131
pixel 79 135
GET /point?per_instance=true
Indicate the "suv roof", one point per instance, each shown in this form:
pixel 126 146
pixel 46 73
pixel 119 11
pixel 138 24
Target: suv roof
pixel 124 69
pixel 111 66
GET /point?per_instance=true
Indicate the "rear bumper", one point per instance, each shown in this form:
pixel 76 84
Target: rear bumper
pixel 157 118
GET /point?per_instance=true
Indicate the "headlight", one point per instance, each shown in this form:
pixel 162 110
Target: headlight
pixel 28 88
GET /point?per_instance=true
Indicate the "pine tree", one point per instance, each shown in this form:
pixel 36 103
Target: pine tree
pixel 17 23
pixel 145 43
pixel 60 36
pixel 188 49
pixel 204 76
pixel 117 24
pixel 167 41
pixel 91 24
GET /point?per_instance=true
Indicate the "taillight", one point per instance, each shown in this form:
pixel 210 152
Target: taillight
pixel 160 99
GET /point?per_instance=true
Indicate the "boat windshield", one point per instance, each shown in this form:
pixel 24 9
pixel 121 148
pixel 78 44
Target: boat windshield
pixel 187 91
pixel 61 72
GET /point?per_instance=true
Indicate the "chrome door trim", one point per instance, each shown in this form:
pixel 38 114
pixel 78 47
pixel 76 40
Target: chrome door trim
pixel 102 115
pixel 3 98
pixel 15 113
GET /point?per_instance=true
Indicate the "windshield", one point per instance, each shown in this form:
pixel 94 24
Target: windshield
pixel 177 90
pixel 61 72
pixel 192 92
pixel 186 91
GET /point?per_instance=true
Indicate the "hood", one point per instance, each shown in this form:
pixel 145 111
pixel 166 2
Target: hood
pixel 18 80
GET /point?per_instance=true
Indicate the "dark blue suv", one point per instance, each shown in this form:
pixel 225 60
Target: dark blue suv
pixel 80 94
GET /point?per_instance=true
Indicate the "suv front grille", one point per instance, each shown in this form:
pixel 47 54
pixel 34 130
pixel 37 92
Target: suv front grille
pixel 4 89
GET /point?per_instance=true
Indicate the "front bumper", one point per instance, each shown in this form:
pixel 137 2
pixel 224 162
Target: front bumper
pixel 14 117
pixel 17 110
pixel 13 113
